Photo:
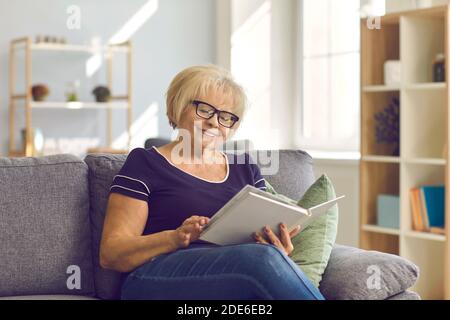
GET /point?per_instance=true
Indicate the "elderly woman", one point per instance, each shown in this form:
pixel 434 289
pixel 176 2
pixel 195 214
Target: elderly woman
pixel 163 197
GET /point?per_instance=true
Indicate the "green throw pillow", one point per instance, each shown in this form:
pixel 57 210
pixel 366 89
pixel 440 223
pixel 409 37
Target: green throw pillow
pixel 313 245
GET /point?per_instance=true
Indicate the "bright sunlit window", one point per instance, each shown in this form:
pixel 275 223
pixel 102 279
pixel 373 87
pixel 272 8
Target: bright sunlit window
pixel 329 75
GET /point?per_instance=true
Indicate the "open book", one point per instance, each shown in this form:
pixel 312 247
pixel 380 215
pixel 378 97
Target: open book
pixel 250 210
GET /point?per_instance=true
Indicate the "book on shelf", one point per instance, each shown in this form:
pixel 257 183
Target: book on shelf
pixel 428 208
pixel 417 223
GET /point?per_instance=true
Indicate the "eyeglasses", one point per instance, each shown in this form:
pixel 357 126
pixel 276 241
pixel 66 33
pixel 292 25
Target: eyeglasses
pixel 207 111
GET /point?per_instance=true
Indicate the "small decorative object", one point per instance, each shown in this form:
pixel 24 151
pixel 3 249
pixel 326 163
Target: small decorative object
pixel 387 128
pixel 102 94
pixel 37 141
pixel 72 91
pixel 39 92
pixel 50 39
pixel 392 72
pixel 439 68
pixel 388 211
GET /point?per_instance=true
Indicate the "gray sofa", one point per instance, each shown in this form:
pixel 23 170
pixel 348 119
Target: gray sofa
pixel 51 216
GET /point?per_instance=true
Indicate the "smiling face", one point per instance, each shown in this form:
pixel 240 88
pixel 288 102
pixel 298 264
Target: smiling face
pixel 208 133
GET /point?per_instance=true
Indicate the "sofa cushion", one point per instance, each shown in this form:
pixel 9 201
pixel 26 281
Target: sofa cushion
pixel 294 174
pixel 405 295
pixel 356 274
pixel 44 226
pixel 102 169
pixel 313 245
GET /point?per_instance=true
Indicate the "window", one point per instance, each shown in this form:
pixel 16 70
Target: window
pixel 329 75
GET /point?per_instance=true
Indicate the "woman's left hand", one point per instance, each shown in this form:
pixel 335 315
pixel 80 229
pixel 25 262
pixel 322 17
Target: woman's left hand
pixel 283 242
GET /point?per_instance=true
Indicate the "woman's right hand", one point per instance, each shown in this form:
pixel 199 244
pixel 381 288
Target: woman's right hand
pixel 189 231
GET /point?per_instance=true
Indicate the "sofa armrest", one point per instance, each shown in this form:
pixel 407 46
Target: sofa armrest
pixel 358 274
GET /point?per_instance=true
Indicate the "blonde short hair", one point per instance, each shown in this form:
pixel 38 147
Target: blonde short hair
pixel 198 80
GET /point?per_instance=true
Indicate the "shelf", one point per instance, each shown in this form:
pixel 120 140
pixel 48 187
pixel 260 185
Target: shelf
pixel 387 159
pixel 378 229
pixel 425 235
pixel 391 159
pixel 78 105
pixel 380 88
pixel 425 161
pixel 411 86
pixel 19 153
pixel 75 48
pixel 426 86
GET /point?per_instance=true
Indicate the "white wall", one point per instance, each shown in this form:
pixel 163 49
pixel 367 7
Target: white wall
pixel 181 33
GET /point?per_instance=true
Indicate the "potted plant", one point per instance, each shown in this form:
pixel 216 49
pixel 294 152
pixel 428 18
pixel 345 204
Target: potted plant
pixel 102 94
pixel 39 92
pixel 387 127
pixel 72 91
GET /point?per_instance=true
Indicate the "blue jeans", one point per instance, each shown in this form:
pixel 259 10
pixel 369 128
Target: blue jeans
pixel 209 272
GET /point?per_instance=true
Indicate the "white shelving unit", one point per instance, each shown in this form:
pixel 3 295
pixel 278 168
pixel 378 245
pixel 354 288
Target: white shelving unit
pixel 414 38
pixel 78 105
pixel 118 102
pixel 377 229
pixel 380 88
pixel 387 159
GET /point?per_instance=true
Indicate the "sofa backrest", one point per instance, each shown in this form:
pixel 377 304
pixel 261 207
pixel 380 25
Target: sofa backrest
pixel 45 239
pixel 102 169
pixel 293 177
pixel 294 174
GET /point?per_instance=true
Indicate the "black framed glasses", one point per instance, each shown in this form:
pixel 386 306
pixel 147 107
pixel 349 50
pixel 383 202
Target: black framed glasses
pixel 206 111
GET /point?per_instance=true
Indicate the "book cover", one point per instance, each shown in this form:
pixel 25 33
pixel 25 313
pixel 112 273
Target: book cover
pixel 415 210
pixel 435 205
pixel 423 210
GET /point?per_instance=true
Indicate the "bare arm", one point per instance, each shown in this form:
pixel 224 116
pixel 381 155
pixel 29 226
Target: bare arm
pixel 123 247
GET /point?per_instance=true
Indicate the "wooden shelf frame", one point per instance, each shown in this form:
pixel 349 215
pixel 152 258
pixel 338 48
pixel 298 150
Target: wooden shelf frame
pixel 413 37
pixel 117 102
